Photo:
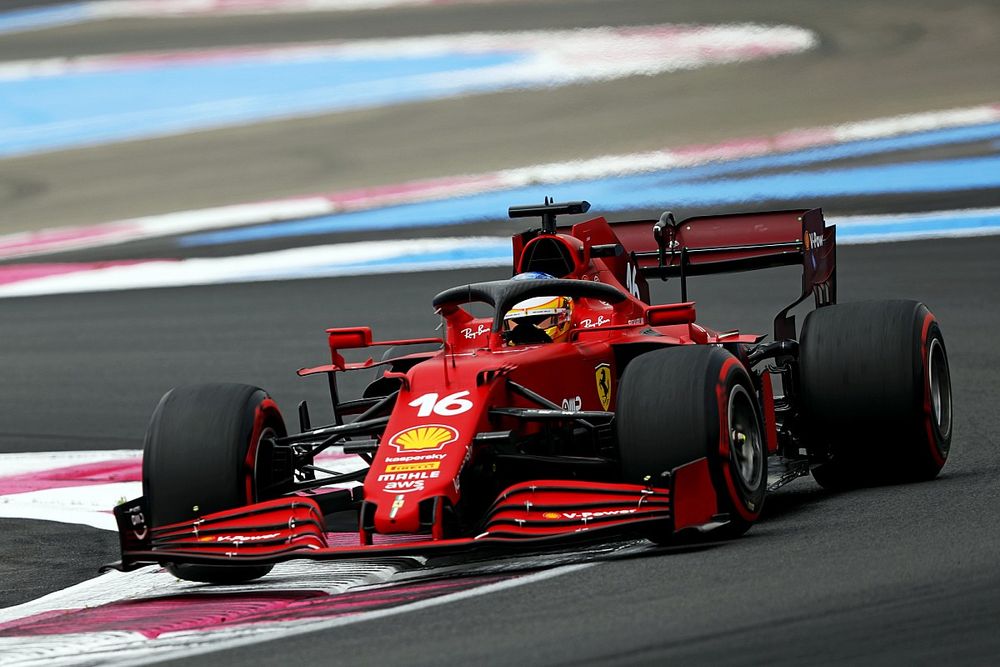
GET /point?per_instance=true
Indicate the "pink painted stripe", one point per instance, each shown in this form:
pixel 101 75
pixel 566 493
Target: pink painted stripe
pixel 658 43
pixel 796 139
pixel 55 237
pixel 88 474
pixel 15 273
pixel 209 55
pixel 382 195
pixel 54 240
pixel 756 146
pixel 207 611
pixel 196 8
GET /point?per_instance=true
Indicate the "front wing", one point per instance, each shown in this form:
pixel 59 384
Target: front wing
pixel 528 516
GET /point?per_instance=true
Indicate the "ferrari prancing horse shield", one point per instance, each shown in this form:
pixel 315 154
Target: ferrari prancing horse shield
pixel 603 374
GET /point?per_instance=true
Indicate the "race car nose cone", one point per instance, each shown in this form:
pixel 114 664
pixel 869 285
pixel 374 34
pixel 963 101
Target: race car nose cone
pixel 401 515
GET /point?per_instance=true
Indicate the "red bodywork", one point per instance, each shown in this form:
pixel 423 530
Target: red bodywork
pixel 439 430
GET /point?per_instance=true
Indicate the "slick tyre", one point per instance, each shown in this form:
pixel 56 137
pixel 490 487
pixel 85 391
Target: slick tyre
pixel 678 405
pixel 875 392
pixel 202 448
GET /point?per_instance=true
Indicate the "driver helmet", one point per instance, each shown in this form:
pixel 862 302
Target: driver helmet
pixel 548 315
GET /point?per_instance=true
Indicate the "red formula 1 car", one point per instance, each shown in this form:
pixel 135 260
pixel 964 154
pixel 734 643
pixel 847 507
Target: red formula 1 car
pixel 574 411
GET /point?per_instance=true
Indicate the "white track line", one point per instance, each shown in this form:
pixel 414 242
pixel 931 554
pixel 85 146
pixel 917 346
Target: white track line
pixel 66 489
pixel 125 647
pixel 26 244
pixel 128 647
pixel 19 463
pixel 150 584
pixel 301 628
pixel 507 61
pixel 411 255
pixel 27 19
pixel 298 263
pixel 105 9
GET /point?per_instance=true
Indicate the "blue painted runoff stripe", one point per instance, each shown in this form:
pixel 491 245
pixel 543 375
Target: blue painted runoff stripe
pixel 404 255
pixel 852 149
pixel 86 108
pixel 850 230
pixel 36 18
pixel 477 253
pixel 698 186
pixel 970 222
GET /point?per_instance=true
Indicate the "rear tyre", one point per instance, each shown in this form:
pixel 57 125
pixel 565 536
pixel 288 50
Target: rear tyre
pixel 203 446
pixel 875 392
pixel 678 405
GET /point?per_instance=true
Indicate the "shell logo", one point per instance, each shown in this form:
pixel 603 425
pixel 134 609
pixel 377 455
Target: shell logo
pixel 423 438
pixel 551 515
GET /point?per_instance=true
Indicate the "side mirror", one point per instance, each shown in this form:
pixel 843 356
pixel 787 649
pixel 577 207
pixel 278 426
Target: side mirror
pixel 349 337
pixel 670 313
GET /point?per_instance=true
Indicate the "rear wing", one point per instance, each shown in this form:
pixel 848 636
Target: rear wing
pixel 740 242
pixel 634 251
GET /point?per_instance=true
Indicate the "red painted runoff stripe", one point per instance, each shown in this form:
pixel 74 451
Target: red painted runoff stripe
pixel 155 616
pixel 113 471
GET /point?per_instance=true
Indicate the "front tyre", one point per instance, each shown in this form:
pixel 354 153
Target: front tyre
pixel 204 446
pixel 678 405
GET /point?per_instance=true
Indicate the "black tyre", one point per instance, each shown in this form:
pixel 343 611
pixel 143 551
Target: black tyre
pixel 678 405
pixel 875 392
pixel 203 446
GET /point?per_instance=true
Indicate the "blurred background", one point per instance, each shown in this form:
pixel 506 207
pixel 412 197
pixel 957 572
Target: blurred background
pixel 193 190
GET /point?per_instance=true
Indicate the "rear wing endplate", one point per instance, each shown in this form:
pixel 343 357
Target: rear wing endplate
pixel 741 242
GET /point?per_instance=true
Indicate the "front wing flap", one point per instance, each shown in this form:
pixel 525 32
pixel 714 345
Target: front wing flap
pixel 529 516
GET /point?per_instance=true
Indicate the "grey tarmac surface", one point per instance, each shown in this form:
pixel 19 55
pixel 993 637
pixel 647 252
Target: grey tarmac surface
pixel 899 574
pixel 42 556
pixel 873 60
pixel 905 574
pixel 11 5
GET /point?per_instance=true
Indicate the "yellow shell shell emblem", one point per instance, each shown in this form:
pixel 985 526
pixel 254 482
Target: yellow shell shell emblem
pixel 423 438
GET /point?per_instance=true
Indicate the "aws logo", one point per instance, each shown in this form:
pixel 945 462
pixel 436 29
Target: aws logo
pixel 429 438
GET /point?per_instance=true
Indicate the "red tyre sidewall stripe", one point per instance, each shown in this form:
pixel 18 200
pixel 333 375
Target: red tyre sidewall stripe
pixel 928 409
pixel 267 406
pixel 736 499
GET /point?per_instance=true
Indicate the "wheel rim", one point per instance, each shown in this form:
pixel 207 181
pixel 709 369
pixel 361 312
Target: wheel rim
pixel 745 445
pixel 940 387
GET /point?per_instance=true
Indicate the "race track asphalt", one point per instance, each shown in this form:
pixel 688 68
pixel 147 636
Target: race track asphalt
pixel 903 574
pixel 898 575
